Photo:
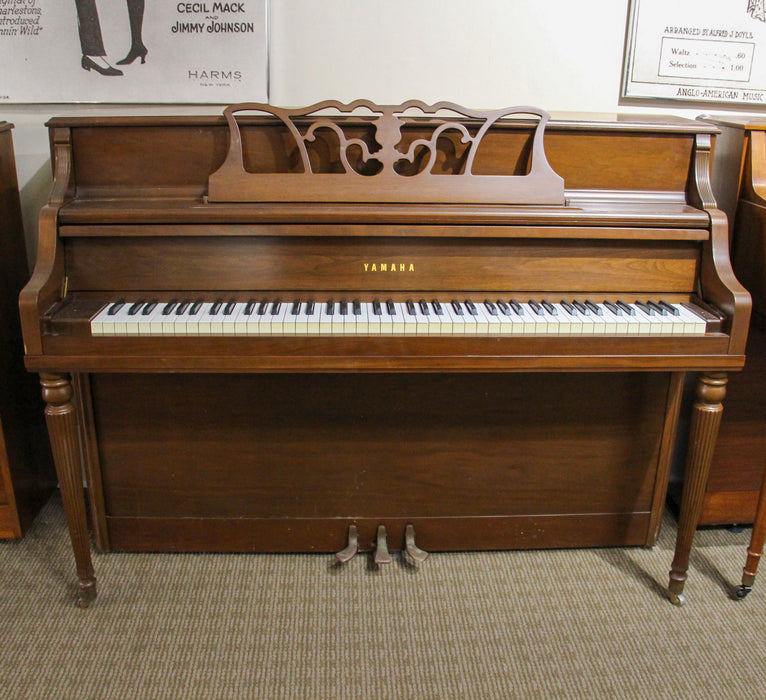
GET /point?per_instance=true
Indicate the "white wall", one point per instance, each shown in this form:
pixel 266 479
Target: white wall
pixel 556 54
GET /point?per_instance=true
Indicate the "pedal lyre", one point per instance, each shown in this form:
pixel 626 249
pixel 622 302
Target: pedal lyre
pixel 350 550
pixel 413 550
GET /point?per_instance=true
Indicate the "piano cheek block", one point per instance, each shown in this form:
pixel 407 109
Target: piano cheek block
pixel 215 291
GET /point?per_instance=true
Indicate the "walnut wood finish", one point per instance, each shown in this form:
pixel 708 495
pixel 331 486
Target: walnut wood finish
pixel 739 179
pixel 741 175
pixel 290 444
pixel 26 467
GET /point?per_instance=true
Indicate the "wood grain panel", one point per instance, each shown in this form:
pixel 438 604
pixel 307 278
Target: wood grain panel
pixel 300 263
pixel 385 446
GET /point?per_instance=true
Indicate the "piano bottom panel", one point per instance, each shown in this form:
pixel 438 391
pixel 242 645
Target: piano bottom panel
pixel 286 462
pixel 330 535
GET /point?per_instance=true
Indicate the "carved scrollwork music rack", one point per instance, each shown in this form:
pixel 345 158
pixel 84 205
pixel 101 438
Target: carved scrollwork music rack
pixel 380 171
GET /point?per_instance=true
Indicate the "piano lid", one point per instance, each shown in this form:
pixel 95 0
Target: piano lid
pixel 382 164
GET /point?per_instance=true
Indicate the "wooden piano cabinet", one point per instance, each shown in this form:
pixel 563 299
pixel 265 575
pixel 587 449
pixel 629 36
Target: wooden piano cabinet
pixel 286 462
pixel 26 467
pixel 739 460
pixel 480 437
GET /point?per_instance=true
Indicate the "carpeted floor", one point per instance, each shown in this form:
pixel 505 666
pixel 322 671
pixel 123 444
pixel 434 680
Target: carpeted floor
pixel 533 624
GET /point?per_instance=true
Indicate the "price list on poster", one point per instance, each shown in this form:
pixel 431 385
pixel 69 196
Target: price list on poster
pixel 700 50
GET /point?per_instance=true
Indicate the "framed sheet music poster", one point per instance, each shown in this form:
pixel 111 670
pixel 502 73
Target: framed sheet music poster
pixel 700 50
pixel 147 51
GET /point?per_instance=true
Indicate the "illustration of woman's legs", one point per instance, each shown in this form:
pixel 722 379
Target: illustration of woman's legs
pixel 137 48
pixel 91 41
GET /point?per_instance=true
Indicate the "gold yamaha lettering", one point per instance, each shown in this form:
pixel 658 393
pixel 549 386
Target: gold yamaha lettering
pixel 389 267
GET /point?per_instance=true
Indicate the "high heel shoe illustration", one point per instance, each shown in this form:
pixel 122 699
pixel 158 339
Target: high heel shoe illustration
pixel 133 54
pixel 89 63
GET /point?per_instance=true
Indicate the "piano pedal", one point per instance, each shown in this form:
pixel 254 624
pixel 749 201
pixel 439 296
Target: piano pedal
pixel 417 554
pixel 382 555
pixel 350 550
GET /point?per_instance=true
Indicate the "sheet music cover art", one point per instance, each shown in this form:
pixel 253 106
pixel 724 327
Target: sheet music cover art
pixel 122 51
pixel 700 50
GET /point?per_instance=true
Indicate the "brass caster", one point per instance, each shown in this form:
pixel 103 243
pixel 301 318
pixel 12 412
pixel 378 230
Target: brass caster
pixel 677 598
pixel 740 592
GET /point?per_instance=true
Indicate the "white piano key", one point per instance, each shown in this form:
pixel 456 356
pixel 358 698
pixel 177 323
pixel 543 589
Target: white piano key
pixel 616 323
pixel 692 323
pixel 362 323
pixel 457 318
pixel 397 319
pixel 349 320
pixel 443 320
pixel 229 321
pixel 151 323
pixel 101 322
pixel 277 317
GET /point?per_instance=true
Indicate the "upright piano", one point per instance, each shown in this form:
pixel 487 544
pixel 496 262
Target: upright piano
pixel 355 327
pixel 737 482
pixel 27 477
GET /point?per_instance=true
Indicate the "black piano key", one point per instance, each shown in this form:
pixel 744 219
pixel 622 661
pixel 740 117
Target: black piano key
pixel 276 307
pixel 262 307
pixel 296 307
pixel 228 310
pixel 411 307
pixel 114 308
pixel 504 308
pixel 568 307
pixel 330 307
pixel 669 308
pixel 437 307
pixel 216 307
pixel 249 307
pixel 616 310
pixel 645 308
pixel 310 307
pixel 423 304
pixel 343 307
pixel 182 307
pixel 195 307
pixel 550 308
pixel 457 307
pixel 535 307
pixel 391 307
pixel 490 306
pixel 376 307
pixel 657 308
pixel 594 307
pixel 471 307
pixel 135 307
pixel 357 307
pixel 168 308
pixel 151 306
pixel 627 308
pixel 584 310
pixel 517 308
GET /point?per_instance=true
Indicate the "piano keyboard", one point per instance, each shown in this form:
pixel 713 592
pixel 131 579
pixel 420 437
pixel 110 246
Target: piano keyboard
pixel 276 317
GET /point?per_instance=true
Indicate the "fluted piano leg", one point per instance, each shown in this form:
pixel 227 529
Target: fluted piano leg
pixel 60 415
pixel 706 417
pixel 755 547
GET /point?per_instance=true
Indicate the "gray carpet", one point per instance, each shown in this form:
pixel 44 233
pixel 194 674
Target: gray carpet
pixel 535 624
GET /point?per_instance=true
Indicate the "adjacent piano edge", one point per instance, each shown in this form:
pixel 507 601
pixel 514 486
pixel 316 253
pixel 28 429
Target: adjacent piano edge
pixel 499 242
